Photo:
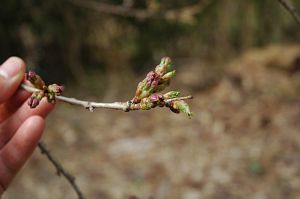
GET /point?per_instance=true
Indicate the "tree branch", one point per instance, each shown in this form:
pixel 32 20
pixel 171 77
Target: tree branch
pixel 146 95
pixel 291 9
pixel 60 171
pixel 142 14
pixel 125 106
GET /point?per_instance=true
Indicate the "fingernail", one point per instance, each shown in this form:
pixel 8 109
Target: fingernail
pixel 11 67
pixel 3 75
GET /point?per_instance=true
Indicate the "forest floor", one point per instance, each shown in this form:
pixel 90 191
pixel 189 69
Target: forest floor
pixel 242 143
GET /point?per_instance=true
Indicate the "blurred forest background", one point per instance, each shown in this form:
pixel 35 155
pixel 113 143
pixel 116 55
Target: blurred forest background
pixel 70 40
pixel 240 59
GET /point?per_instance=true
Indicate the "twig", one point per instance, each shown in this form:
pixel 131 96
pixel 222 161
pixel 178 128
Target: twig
pixel 60 170
pixel 291 9
pixel 142 14
pixel 125 106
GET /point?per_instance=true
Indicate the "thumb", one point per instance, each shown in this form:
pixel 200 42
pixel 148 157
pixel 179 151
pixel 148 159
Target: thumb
pixel 11 75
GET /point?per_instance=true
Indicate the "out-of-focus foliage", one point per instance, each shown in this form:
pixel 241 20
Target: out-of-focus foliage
pixel 67 41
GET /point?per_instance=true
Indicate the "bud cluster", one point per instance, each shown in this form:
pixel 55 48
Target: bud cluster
pixel 35 98
pixel 50 92
pixel 147 96
pixel 35 80
pixel 155 81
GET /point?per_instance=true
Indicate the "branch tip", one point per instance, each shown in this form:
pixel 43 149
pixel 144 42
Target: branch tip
pixel 146 97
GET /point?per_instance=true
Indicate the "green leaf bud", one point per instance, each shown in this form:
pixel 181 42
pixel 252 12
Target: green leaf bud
pixel 171 94
pixel 164 66
pixel 168 76
pixel 146 104
pixel 181 106
pixel 56 89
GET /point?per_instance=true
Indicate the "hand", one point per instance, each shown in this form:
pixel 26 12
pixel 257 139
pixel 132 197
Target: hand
pixel 20 126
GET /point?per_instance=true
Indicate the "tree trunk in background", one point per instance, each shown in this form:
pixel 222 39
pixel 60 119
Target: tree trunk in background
pixel 73 51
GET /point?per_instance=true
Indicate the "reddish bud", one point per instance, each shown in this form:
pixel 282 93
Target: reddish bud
pixel 135 100
pixel 152 79
pixel 35 80
pixel 33 102
pixel 31 76
pixel 35 99
pixel 54 88
pixel 155 98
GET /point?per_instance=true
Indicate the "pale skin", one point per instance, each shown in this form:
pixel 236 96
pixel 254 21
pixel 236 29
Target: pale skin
pixel 20 127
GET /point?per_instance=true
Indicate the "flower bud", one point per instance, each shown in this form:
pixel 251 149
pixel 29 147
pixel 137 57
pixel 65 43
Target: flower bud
pixel 146 87
pixel 168 76
pixel 164 66
pixel 57 89
pixel 152 79
pixel 36 80
pixel 146 104
pixel 50 97
pixel 135 100
pixel 33 102
pixel 156 97
pixel 173 108
pixel 171 94
pixel 31 76
pixel 35 99
pixel 155 81
pixel 180 106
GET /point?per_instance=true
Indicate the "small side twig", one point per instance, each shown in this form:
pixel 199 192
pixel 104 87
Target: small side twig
pixel 60 169
pixel 291 9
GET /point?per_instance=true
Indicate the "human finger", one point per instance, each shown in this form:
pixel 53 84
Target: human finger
pixel 14 155
pixel 9 126
pixel 13 104
pixel 11 75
